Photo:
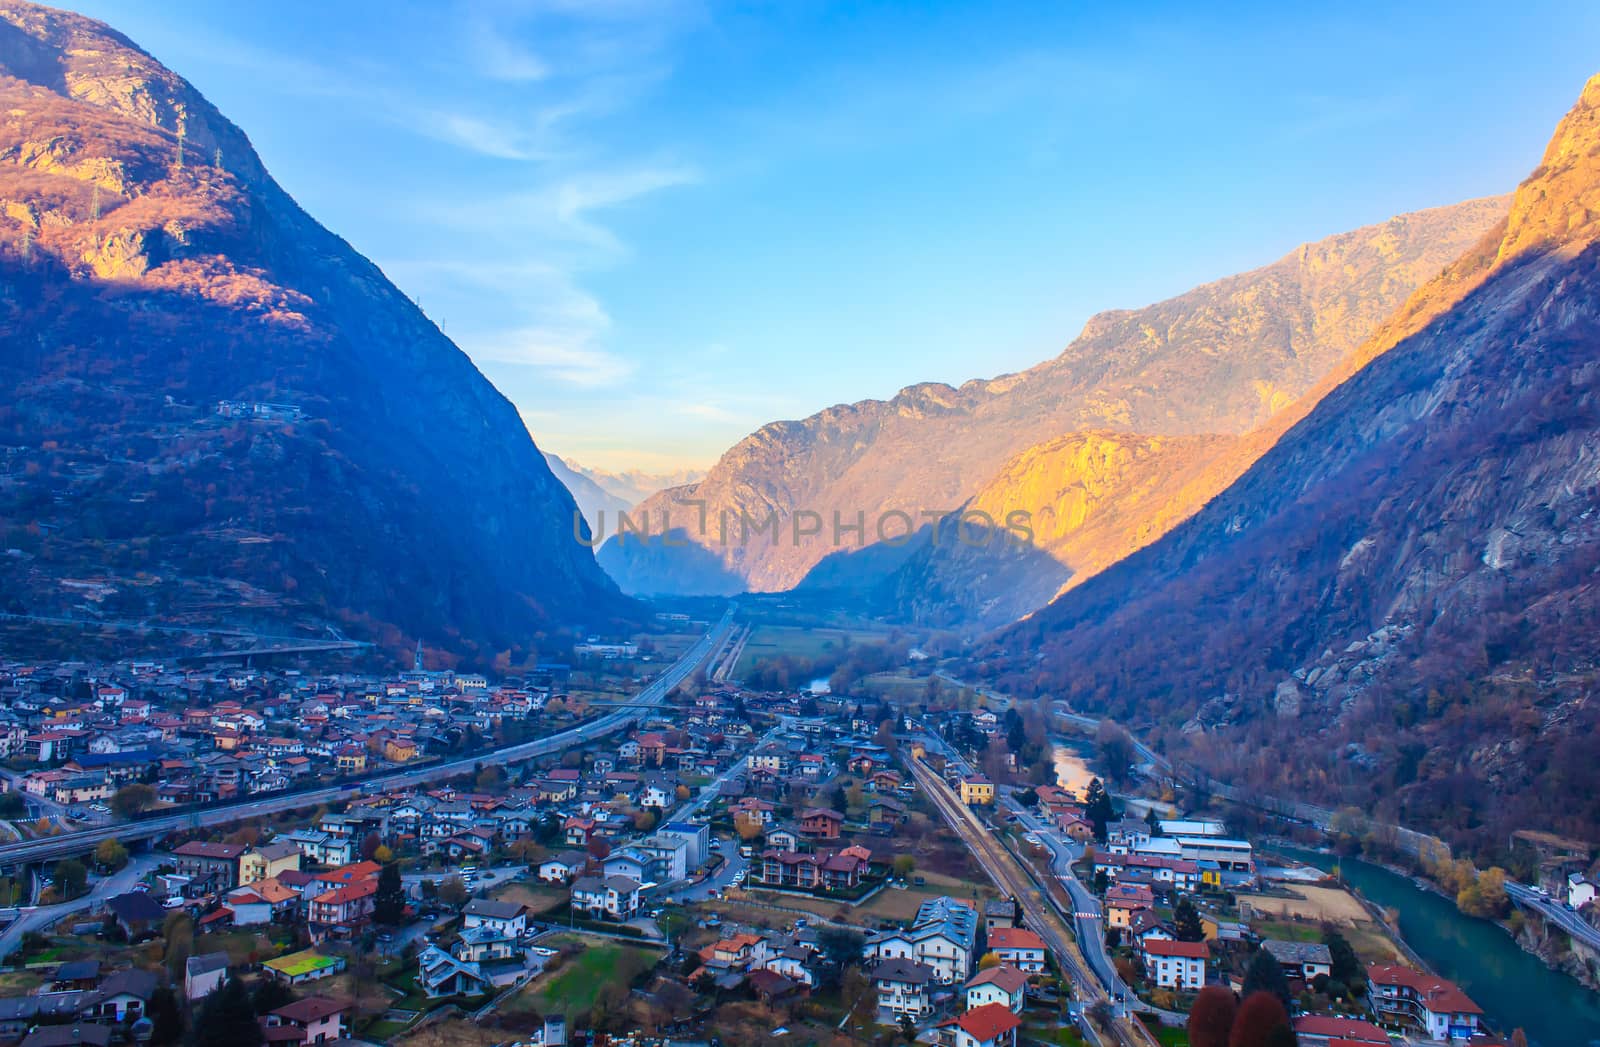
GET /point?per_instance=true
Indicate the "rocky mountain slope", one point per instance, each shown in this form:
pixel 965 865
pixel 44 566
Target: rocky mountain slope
pixel 1220 359
pixel 1398 604
pixel 152 274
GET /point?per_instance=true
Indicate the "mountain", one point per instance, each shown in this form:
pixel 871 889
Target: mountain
pixel 1397 605
pixel 1218 360
pixel 598 505
pixel 158 291
pixel 1091 498
pixel 633 486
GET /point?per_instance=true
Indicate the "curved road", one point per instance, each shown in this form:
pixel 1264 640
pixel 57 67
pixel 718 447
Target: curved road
pixel 653 694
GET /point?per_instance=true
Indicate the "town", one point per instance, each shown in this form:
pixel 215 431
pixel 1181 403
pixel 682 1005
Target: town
pixel 434 857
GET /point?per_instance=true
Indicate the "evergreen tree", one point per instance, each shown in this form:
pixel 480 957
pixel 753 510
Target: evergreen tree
pixel 1345 963
pixel 270 994
pixel 1265 974
pixel 227 1019
pixel 1186 922
pixel 389 903
pixel 166 1015
pixel 1098 809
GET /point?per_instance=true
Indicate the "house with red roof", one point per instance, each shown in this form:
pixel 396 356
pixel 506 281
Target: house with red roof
pixel 315 1018
pixel 1321 1030
pixel 1175 965
pixel 992 1025
pixel 1404 997
pixel 1019 947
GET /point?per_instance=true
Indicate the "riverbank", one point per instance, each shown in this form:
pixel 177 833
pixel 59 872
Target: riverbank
pixel 1515 988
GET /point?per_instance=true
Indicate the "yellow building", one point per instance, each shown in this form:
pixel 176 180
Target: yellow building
pixel 399 750
pixel 977 789
pixel 352 760
pixel 268 860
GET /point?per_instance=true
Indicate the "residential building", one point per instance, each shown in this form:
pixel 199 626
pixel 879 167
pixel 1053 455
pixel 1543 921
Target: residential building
pixel 1405 997
pixel 903 987
pixel 1581 890
pixel 1019 947
pixel 269 859
pixel 976 789
pixel 213 866
pixel 1319 1030
pixel 991 1025
pixel 563 867
pixel 317 1018
pixel 821 823
pixel 507 918
pixel 1301 961
pixel 610 897
pixel 1175 965
pixel 943 936
pixel 1003 985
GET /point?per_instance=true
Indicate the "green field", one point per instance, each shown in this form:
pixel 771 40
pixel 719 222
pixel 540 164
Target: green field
pixel 770 641
pixel 571 988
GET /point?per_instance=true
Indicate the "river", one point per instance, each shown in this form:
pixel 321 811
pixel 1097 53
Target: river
pixel 1071 758
pixel 1514 988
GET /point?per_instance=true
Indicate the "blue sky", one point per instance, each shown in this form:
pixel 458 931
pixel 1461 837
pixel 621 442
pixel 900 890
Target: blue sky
pixel 656 226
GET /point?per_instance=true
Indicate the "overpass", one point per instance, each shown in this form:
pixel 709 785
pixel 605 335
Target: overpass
pixel 67 845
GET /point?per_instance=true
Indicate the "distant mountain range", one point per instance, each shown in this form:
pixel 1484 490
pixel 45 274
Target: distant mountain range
pixel 635 485
pixel 214 410
pixel 1396 605
pixel 1101 445
pixel 601 496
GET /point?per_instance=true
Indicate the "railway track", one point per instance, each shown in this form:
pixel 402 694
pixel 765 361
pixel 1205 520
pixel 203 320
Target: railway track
pixel 1037 907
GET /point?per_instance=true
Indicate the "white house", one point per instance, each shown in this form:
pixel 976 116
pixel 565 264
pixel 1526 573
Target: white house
pixel 203 975
pixel 505 918
pixel 1580 890
pixel 1018 947
pixel 562 867
pixel 1003 985
pixel 613 897
pixel 943 936
pixel 903 988
pixel 1175 965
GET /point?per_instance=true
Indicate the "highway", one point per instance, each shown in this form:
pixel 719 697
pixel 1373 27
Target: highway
pixel 652 695
pixel 1555 912
pixel 1038 910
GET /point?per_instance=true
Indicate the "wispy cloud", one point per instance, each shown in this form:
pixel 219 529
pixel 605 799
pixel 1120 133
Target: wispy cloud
pixel 499 56
pixel 563 354
pixel 564 212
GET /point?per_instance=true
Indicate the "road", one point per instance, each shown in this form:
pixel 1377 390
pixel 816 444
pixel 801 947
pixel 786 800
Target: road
pixel 733 863
pixel 37 918
pixel 651 696
pixel 1555 912
pixel 1087 919
pixel 1038 910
